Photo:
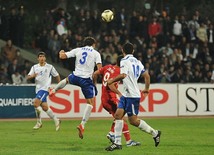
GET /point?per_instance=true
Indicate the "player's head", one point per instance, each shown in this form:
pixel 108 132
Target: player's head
pixel 89 41
pixel 41 54
pixel 119 59
pixel 128 48
pixel 41 57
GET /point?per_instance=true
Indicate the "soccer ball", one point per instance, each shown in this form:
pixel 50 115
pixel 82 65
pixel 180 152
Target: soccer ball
pixel 107 15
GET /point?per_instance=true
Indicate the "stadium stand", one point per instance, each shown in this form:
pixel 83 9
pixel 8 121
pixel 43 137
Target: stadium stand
pixel 175 48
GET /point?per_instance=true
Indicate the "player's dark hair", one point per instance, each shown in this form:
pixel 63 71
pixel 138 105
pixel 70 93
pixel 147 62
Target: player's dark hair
pixel 128 48
pixel 118 59
pixel 89 41
pixel 41 53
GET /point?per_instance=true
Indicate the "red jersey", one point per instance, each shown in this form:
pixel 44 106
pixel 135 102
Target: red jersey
pixel 108 72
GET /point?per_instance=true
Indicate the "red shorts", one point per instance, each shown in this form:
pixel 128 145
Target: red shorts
pixel 110 105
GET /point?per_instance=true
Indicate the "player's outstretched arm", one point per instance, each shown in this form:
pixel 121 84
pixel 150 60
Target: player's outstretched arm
pixel 58 78
pixel 29 77
pixel 95 76
pixel 62 55
pixel 99 65
pixel 117 78
pixel 114 89
pixel 96 73
pixel 147 83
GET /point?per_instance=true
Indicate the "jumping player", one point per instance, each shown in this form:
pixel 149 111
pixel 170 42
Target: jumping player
pixel 86 59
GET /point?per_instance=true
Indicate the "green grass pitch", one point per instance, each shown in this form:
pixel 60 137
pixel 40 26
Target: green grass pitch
pixel 180 136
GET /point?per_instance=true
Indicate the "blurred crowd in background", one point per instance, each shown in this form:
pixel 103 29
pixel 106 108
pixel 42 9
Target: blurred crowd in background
pixel 174 49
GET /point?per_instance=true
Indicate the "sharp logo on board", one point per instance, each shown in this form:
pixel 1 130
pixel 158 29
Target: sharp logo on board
pixel 70 101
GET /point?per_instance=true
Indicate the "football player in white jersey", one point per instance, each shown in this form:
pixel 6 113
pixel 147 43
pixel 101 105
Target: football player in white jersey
pixel 42 73
pixel 86 59
pixel 130 70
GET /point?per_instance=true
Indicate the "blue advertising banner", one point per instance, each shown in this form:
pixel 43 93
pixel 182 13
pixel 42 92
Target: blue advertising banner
pixel 17 101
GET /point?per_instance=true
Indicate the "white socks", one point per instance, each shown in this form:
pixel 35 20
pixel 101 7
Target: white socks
pixel 118 131
pixel 38 114
pixel 60 85
pixel 145 127
pixel 51 115
pixel 86 114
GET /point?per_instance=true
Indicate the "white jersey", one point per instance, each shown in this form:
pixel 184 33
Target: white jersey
pixel 86 59
pixel 44 77
pixel 133 68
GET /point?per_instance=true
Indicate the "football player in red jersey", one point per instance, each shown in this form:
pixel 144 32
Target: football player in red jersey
pixel 109 98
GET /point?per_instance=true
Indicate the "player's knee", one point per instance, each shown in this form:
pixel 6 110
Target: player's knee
pixel 36 103
pixel 134 123
pixel 44 106
pixel 117 116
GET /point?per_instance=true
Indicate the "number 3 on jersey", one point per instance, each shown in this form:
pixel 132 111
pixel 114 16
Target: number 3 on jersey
pixel 83 59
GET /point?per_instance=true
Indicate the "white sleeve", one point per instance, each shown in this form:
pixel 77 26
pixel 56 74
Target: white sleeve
pixel 98 58
pixel 32 71
pixel 123 68
pixel 54 73
pixel 72 53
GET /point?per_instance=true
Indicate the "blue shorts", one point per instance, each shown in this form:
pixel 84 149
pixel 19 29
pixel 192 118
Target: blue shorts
pixel 130 105
pixel 42 95
pixel 86 84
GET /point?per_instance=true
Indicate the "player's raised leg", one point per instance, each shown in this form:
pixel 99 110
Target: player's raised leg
pixel 60 85
pixel 86 115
